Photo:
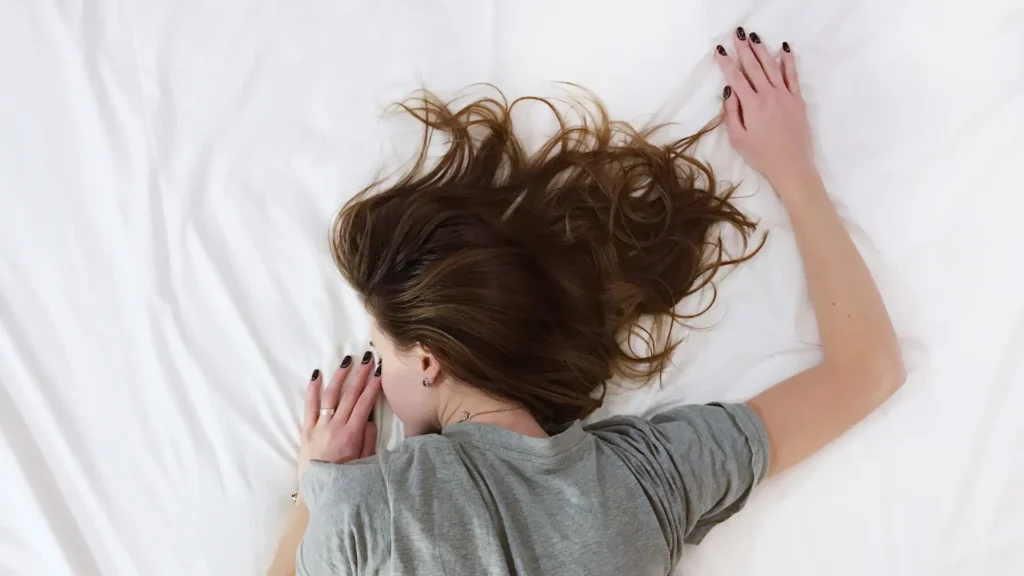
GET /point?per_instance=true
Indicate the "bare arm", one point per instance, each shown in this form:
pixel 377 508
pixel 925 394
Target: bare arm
pixel 284 559
pixel 861 365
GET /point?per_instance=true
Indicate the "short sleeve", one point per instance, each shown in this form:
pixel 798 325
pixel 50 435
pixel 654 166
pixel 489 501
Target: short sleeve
pixel 349 526
pixel 697 464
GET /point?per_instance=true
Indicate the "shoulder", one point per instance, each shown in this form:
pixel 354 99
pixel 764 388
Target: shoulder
pixel 424 453
pixel 339 488
pixel 697 463
pixel 349 517
pixel 689 422
pixel 696 444
pixel 333 484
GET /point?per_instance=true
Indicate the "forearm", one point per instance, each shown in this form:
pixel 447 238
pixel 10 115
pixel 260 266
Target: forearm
pixel 284 559
pixel 855 330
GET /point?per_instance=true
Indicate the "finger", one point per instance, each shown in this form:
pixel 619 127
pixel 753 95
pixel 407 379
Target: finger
pixel 751 67
pixel 733 75
pixel 353 389
pixel 312 411
pixel 789 69
pixel 733 120
pixel 369 440
pixel 367 400
pixel 333 391
pixel 769 65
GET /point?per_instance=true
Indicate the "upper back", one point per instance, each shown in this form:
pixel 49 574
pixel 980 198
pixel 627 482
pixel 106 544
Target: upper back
pixel 616 498
pixel 501 504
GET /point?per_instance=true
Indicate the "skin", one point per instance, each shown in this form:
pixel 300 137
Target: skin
pixel 423 409
pixel 861 364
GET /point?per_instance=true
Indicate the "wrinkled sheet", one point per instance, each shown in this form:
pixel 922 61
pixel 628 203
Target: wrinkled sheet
pixel 169 169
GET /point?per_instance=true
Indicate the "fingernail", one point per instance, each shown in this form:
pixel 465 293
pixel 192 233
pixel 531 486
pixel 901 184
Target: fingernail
pixel 741 34
pixel 367 357
pixel 346 361
pixel 726 93
pixel 721 50
pixel 316 374
pixel 785 46
pixel 377 371
pixel 754 38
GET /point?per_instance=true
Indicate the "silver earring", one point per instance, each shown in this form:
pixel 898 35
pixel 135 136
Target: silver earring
pixel 426 382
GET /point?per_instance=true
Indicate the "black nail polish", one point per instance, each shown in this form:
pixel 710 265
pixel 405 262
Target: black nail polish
pixel 316 374
pixel 785 46
pixel 754 38
pixel 377 371
pixel 726 93
pixel 346 361
pixel 741 34
pixel 367 357
pixel 721 50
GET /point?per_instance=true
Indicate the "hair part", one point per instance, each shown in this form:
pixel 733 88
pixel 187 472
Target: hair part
pixel 526 274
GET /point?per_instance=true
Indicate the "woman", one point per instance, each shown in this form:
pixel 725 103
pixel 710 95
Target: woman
pixel 502 285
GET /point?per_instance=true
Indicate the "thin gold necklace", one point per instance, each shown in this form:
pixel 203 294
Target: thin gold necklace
pixel 466 415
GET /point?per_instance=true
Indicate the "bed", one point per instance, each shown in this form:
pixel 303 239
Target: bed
pixel 169 169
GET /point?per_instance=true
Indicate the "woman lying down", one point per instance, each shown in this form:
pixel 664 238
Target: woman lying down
pixel 501 284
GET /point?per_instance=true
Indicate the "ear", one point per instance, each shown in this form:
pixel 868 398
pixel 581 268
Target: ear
pixel 428 364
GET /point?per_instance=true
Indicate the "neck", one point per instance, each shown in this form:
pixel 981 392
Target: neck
pixel 459 399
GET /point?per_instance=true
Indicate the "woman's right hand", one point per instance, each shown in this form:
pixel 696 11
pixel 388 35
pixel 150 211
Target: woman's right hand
pixel 765 113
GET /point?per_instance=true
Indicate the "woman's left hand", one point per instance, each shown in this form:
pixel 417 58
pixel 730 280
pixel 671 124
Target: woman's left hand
pixel 336 427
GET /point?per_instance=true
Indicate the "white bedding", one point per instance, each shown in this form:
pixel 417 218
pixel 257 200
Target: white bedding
pixel 168 170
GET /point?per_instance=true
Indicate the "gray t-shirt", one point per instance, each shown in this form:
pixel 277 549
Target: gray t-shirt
pixel 617 497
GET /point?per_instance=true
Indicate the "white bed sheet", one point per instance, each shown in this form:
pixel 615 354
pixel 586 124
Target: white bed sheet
pixel 168 170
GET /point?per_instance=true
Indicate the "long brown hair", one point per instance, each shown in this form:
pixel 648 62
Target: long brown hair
pixel 525 274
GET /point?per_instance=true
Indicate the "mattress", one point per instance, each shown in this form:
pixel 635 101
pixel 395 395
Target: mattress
pixel 169 169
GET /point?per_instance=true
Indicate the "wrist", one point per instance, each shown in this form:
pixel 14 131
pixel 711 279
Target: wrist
pixel 799 186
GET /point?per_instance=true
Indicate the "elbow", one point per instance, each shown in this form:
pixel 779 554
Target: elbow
pixel 878 373
pixel 893 374
pixel 885 371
